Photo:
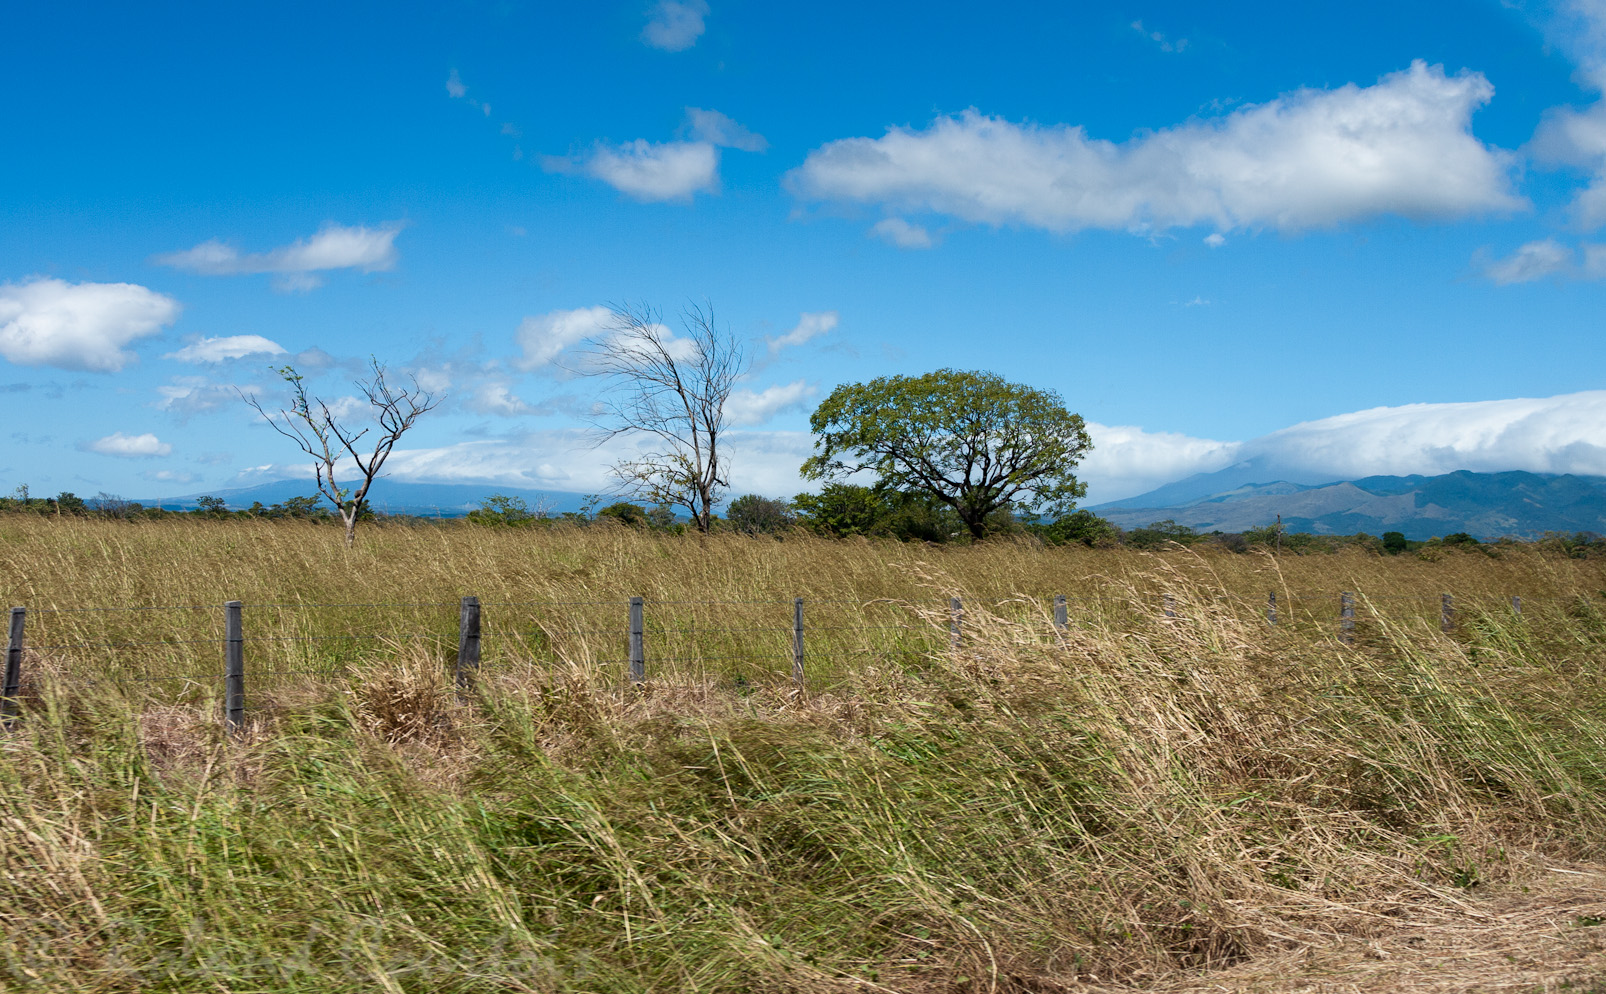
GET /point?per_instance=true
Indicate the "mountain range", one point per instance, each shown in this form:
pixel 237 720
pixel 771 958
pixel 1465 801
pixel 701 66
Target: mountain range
pixel 1484 505
pixel 446 500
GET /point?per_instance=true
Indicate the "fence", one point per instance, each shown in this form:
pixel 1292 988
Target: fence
pixel 595 632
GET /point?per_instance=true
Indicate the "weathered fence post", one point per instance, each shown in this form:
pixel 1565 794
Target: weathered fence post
pixel 956 615
pixel 1271 608
pixel 13 681
pixel 1346 618
pixel 1516 606
pixel 1170 606
pixel 468 643
pixel 233 668
pixel 797 641
pixel 1062 618
pixel 638 643
pixel 1446 614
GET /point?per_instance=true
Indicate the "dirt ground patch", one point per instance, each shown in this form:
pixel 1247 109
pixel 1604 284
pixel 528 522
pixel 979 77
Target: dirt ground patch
pixel 1548 934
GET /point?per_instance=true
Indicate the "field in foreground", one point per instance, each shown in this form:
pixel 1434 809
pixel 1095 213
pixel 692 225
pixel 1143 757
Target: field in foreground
pixel 1134 800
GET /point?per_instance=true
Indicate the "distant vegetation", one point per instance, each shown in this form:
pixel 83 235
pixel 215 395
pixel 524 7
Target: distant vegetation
pixel 839 510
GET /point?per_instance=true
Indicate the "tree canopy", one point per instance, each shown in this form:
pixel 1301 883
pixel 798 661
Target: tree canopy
pixel 970 439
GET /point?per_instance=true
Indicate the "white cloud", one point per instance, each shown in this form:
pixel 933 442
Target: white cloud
pixel 1215 239
pixel 496 397
pixel 897 231
pixel 542 339
pixel 675 26
pixel 810 325
pixel 83 326
pixel 1307 159
pixel 228 347
pixel 1546 435
pixel 747 407
pixel 455 87
pixel 717 129
pixel 650 172
pixel 1127 460
pixel 168 476
pixel 1533 261
pixel 763 462
pixel 297 264
pixel 130 446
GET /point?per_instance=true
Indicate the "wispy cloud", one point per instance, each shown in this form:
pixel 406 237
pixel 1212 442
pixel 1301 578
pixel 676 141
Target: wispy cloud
pixel 718 129
pixel 79 326
pixel 675 26
pixel 1165 44
pixel 298 264
pixel 1307 159
pixel 544 337
pixel 810 325
pixel 212 350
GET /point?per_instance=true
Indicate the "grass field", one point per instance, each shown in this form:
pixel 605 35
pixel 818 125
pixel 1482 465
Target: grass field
pixel 1133 800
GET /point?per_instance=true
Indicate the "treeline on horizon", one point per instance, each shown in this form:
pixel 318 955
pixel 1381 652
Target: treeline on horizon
pixel 840 510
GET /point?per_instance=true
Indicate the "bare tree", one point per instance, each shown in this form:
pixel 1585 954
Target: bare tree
pixel 670 389
pixel 314 427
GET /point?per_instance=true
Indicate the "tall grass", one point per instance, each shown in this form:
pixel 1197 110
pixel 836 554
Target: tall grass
pixel 1130 797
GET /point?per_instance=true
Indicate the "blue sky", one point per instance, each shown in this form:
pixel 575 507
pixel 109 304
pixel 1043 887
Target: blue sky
pixel 1346 238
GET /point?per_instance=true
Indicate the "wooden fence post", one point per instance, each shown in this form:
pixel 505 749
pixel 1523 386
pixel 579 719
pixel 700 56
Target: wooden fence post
pixel 1346 618
pixel 1271 608
pixel 13 681
pixel 233 668
pixel 797 641
pixel 1062 618
pixel 468 643
pixel 1516 606
pixel 956 615
pixel 638 642
pixel 1170 606
pixel 1446 614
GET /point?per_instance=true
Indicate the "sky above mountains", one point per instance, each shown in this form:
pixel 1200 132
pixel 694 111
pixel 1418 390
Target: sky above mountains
pixel 1343 239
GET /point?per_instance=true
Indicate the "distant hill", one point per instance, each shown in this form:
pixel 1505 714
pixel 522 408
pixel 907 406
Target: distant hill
pixel 1485 505
pixel 447 500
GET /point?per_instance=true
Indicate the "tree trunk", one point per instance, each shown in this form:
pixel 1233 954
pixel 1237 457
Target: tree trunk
pixel 350 520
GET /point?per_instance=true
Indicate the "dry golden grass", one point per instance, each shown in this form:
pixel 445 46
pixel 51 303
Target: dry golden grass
pixel 1185 804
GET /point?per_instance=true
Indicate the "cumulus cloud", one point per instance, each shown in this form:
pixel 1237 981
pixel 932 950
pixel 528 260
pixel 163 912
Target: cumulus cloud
pixel 897 231
pixel 454 86
pixel 227 347
pixel 1310 158
pixel 130 446
pixel 717 129
pixel 298 264
pixel 81 326
pixel 675 26
pixel 649 172
pixel 748 407
pixel 544 337
pixel 810 325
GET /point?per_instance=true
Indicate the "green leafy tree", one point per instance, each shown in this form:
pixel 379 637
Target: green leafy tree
pixel 211 507
pixel 971 440
pixel 1161 533
pixel 1394 543
pixel 626 513
pixel 757 515
pixel 1081 526
pixel 503 509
